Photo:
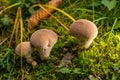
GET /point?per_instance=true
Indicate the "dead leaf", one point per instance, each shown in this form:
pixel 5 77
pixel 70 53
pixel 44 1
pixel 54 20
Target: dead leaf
pixel 66 60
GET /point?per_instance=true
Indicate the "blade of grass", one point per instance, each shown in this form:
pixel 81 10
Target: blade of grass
pixel 99 19
pixel 53 16
pixel 13 5
pixel 69 2
pixel 63 12
pixel 108 40
pixel 14 28
pixel 21 40
pixel 88 10
pixel 16 34
pixel 93 9
pixel 112 29
pixel 3 41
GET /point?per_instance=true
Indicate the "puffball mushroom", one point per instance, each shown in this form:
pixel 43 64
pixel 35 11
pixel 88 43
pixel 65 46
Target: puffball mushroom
pixel 26 52
pixel 85 31
pixel 43 40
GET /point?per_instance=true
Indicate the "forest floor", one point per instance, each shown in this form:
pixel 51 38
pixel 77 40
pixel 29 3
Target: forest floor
pixel 101 61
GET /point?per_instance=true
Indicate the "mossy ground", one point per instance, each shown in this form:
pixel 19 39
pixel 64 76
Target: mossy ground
pixel 100 62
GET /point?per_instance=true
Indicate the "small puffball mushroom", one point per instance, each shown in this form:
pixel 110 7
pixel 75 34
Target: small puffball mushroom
pixel 85 31
pixel 43 40
pixel 26 52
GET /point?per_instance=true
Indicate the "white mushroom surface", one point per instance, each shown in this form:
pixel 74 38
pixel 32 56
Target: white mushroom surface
pixel 26 49
pixel 43 40
pixel 85 31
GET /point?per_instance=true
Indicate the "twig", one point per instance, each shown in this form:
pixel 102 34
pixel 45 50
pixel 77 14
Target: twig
pixel 3 41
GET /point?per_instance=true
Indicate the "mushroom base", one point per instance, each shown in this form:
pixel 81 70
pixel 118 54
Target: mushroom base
pixel 44 53
pixel 85 44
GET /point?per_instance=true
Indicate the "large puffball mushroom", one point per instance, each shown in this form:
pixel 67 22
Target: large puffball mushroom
pixel 26 49
pixel 43 40
pixel 85 31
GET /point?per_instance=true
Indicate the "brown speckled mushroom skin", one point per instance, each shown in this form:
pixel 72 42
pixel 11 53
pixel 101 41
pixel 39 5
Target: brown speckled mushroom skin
pixel 85 31
pixel 26 48
pixel 43 40
pixel 26 52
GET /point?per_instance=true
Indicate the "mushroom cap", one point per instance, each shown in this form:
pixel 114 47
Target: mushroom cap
pixel 26 49
pixel 83 28
pixel 43 40
pixel 85 31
